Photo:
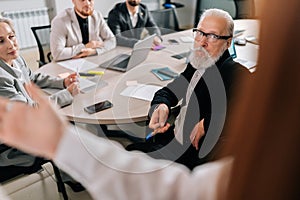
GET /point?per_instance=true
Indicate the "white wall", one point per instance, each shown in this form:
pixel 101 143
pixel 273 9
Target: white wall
pixel 185 14
pixel 104 6
pixel 58 5
pixel 6 5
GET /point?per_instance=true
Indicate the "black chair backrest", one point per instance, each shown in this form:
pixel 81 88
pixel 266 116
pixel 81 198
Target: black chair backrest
pixel 42 36
pixel 245 9
pixel 238 9
pixel 11 172
pixel 166 20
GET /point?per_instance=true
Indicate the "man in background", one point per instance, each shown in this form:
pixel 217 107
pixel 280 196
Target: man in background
pixel 79 32
pixel 128 20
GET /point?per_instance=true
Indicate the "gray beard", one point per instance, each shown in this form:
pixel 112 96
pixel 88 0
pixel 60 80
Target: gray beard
pixel 204 61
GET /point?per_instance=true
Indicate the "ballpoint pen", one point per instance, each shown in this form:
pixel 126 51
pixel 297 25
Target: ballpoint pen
pixel 153 133
pixel 150 135
pixel 77 75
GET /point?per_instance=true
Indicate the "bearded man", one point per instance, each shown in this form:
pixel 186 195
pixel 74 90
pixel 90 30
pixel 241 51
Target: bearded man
pixel 128 19
pixel 79 32
pixel 203 90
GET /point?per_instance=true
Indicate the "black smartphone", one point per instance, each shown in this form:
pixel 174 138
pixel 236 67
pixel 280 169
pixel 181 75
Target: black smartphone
pixel 98 107
pixel 181 55
pixel 173 41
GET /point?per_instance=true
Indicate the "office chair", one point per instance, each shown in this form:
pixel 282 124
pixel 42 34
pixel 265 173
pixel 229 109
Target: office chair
pixel 14 171
pixel 245 9
pixel 166 20
pixel 238 9
pixel 42 37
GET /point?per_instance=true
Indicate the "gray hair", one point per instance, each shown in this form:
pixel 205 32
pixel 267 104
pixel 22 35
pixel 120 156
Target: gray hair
pixel 219 13
pixel 9 22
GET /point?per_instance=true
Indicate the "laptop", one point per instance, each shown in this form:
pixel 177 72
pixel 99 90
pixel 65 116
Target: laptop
pixel 125 62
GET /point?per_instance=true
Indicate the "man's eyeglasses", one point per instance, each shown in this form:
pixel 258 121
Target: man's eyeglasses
pixel 211 37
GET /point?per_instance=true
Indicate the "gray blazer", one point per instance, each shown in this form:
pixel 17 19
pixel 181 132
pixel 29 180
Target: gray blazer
pixel 66 38
pixel 12 87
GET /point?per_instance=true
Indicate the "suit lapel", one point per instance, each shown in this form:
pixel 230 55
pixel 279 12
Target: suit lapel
pixel 75 25
pixel 20 87
pixel 7 69
pixel 141 18
pixel 17 83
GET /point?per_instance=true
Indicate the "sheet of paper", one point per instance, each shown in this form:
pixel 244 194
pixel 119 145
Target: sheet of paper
pixel 79 65
pixel 247 63
pixel 141 91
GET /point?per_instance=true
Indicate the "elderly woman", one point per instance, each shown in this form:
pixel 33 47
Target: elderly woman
pixel 13 74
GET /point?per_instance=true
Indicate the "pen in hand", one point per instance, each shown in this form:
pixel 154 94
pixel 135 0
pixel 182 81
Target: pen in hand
pixel 158 130
pixel 150 135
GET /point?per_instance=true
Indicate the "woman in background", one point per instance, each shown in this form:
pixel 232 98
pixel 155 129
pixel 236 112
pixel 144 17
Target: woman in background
pixel 14 72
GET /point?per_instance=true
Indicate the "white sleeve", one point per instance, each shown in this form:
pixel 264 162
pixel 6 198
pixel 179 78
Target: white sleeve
pixel 109 172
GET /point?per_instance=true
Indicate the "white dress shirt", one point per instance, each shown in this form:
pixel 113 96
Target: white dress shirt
pixel 134 17
pixel 110 172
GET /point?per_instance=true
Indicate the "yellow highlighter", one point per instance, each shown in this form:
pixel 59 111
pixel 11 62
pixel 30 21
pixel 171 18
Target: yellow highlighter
pixel 96 72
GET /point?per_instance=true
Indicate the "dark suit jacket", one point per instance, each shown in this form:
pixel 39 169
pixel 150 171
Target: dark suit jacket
pixel 120 24
pixel 210 100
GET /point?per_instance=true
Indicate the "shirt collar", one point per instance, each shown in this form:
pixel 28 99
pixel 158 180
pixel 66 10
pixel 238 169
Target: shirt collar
pixel 134 18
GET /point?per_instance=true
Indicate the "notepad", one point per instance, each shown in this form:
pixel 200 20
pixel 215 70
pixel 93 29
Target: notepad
pixel 164 73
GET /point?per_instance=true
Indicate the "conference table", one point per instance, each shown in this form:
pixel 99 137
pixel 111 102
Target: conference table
pixel 128 109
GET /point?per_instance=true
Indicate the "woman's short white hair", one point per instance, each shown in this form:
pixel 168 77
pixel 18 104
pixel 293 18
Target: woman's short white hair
pixel 9 22
pixel 219 13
